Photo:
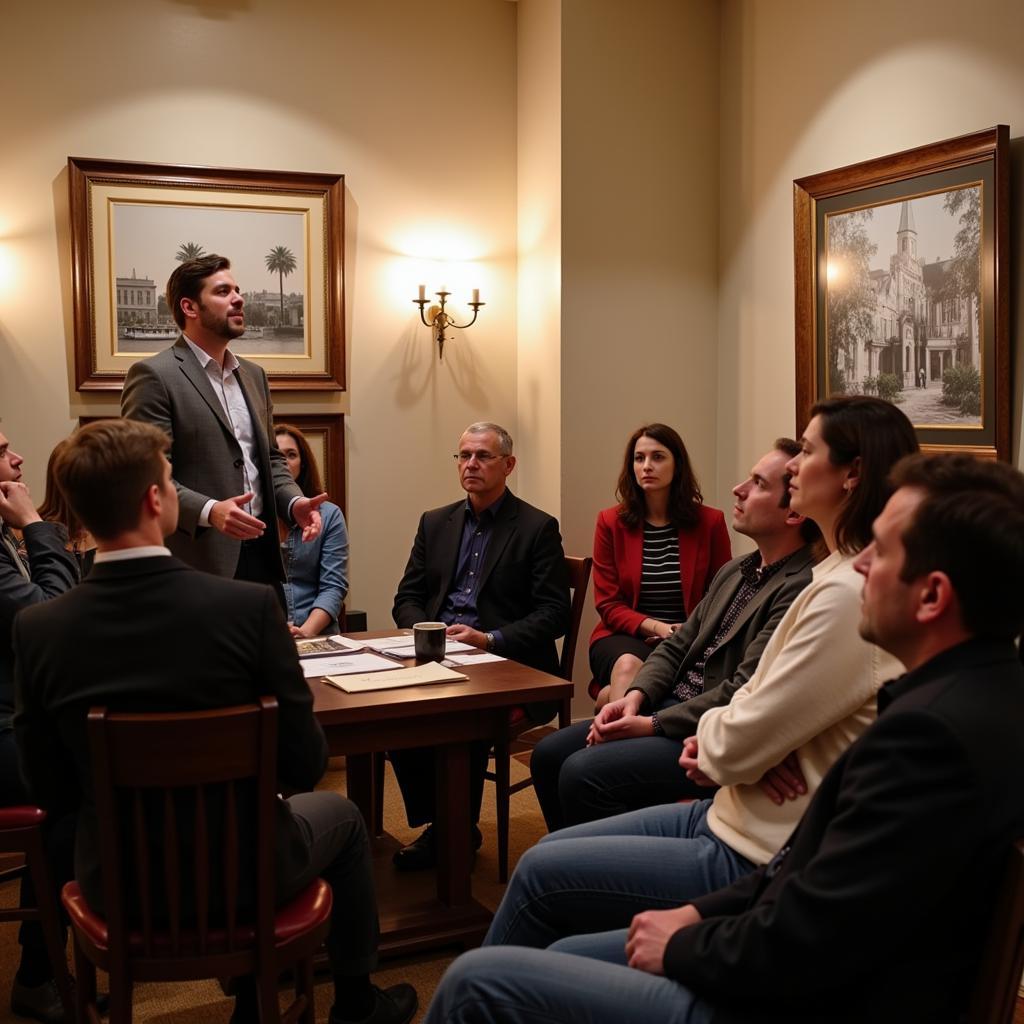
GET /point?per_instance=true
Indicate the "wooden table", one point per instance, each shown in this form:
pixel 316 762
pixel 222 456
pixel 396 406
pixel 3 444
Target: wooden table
pixel 449 716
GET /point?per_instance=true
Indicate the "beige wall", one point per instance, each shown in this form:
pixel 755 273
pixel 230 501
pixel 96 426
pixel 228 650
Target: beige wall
pixel 417 111
pixel 539 202
pixel 639 244
pixel 806 87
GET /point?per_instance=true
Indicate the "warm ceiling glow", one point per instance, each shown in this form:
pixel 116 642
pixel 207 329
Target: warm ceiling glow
pixel 8 267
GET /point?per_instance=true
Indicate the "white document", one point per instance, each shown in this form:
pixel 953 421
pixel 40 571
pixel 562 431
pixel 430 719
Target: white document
pixel 475 659
pixel 384 643
pixel 418 675
pixel 348 643
pixel 409 651
pixel 344 664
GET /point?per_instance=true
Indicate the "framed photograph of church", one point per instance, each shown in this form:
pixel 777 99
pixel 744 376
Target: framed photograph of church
pixel 902 289
pixel 133 223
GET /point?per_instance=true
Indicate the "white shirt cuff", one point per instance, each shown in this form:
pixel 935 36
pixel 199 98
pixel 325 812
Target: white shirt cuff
pixel 204 516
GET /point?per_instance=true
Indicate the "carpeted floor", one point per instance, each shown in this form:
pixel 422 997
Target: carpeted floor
pixel 203 1002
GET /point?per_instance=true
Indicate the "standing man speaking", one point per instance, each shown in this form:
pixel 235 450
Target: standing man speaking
pixel 231 479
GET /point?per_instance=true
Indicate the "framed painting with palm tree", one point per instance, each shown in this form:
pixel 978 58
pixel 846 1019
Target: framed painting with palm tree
pixel 133 223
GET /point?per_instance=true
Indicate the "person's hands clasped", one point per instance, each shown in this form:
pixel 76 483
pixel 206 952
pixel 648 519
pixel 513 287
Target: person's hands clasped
pixel 619 720
pixel 16 508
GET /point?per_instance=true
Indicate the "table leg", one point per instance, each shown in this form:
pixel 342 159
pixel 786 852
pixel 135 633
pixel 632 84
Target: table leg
pixel 452 825
pixel 360 784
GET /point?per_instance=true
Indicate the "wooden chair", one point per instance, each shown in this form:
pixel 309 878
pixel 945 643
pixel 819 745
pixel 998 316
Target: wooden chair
pixel 185 806
pixel 579 578
pixel 21 831
pixel 995 990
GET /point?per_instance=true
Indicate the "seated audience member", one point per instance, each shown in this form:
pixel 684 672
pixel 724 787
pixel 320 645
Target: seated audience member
pixel 492 567
pixel 876 906
pixel 655 554
pixel 812 694
pixel 585 772
pixel 55 509
pixel 39 569
pixel 317 570
pixel 184 640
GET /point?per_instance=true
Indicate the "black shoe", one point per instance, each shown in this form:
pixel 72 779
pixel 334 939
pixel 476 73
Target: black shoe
pixel 421 852
pixel 37 1002
pixel 395 1005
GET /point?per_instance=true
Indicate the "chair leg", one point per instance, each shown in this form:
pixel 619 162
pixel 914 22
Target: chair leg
pixel 270 1006
pixel 85 984
pixel 304 989
pixel 120 998
pixel 49 919
pixel 501 797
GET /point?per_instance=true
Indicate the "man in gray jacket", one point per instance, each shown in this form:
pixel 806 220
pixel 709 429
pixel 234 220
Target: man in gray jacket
pixel 231 479
pixel 585 773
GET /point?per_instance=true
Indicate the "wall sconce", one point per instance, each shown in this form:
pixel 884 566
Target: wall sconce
pixel 439 320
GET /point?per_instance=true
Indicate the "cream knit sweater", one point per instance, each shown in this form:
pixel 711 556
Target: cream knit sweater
pixel 813 692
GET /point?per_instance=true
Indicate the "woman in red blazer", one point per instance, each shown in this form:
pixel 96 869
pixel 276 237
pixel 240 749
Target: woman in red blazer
pixel 660 500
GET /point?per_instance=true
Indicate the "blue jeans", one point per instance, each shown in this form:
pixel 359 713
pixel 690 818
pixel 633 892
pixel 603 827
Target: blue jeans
pixel 596 877
pixel 516 986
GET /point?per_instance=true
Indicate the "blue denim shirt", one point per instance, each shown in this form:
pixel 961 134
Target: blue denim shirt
pixel 317 571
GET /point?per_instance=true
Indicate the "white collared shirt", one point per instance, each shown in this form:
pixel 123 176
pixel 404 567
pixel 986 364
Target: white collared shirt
pixel 123 554
pixel 232 401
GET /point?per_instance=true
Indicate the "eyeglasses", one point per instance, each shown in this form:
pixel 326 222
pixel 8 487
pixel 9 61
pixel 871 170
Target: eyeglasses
pixel 484 458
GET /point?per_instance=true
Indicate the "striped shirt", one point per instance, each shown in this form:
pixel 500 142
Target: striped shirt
pixel 661 590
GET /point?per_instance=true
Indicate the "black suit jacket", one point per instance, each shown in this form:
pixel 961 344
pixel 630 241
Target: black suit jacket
pixel 876 908
pixel 524 588
pixel 150 634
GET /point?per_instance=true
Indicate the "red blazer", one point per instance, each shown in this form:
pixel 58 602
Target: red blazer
pixel 618 560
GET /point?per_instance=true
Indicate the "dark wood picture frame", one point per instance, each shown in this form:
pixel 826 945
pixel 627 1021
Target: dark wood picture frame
pixel 981 158
pixel 92 182
pixel 325 432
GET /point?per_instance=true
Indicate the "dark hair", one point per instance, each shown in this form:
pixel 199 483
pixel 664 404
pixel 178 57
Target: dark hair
pixel 106 468
pixel 876 432
pixel 684 496
pixel 970 526
pixel 187 282
pixel 808 528
pixel 55 507
pixel 309 473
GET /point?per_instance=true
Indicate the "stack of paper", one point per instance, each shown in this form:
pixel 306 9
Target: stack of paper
pixel 417 675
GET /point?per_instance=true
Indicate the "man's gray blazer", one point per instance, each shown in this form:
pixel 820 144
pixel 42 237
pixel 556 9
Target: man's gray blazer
pixel 733 662
pixel 172 391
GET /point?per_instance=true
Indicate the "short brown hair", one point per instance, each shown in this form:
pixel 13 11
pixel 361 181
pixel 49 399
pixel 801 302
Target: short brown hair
pixel 106 469
pixel 684 496
pixel 876 432
pixel 970 526
pixel 309 473
pixel 187 282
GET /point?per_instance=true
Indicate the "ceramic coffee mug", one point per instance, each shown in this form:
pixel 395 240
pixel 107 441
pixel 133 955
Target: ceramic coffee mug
pixel 428 638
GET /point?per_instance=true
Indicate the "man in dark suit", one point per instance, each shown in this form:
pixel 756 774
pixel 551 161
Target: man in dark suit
pixel 36 570
pixel 232 481
pixel 876 907
pixel 585 772
pixel 145 632
pixel 491 567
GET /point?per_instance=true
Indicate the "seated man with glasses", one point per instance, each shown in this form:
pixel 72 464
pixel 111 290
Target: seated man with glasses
pixel 491 567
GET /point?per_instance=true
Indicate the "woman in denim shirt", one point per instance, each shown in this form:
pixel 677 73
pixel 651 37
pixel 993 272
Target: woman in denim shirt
pixel 317 570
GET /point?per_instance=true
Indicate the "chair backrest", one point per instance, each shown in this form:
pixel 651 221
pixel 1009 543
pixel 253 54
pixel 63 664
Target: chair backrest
pixel 579 577
pixel 995 989
pixel 182 799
